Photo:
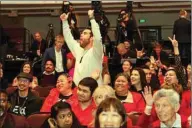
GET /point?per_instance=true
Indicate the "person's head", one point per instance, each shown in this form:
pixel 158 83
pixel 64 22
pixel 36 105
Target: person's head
pixel 125 15
pixel 86 88
pixel 86 39
pixel 189 69
pixel 37 37
pixel 157 47
pixel 127 66
pixel 171 77
pixel 177 87
pixel 102 92
pixel 50 65
pixel 71 7
pixel 4 103
pixel 127 44
pixel 59 42
pixel 138 77
pixel 64 84
pixel 24 80
pixel 152 68
pixel 166 103
pixel 26 67
pixel 121 84
pixel 148 73
pixel 110 114
pixel 70 61
pixel 121 49
pixel 183 13
pixel 63 115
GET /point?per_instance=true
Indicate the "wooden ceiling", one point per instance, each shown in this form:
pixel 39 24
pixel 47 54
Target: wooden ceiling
pixel 15 8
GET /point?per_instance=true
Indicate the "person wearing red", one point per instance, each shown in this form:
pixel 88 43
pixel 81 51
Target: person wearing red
pixel 166 103
pixel 132 101
pixel 62 92
pixel 84 106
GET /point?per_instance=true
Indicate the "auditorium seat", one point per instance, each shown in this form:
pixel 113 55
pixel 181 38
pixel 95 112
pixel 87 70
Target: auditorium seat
pixel 43 91
pixel 36 120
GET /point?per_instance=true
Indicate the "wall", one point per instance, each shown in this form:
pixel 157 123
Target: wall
pixel 40 23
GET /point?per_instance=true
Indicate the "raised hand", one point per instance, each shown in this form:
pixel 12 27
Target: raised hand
pixel 64 16
pixel 148 95
pixel 173 41
pixel 140 53
pixel 95 74
pixel 52 123
pixel 91 13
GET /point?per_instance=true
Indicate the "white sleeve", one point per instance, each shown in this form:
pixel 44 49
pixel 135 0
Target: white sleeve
pixel 71 42
pixel 97 39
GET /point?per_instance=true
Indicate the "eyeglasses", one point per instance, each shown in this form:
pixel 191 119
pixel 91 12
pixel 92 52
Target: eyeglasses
pixel 25 81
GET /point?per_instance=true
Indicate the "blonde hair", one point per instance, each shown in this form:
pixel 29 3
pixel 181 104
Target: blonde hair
pixel 121 46
pixel 104 89
pixel 177 87
pixel 59 37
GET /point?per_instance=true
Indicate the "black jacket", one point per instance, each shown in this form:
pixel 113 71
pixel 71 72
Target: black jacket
pixel 50 54
pixel 33 103
pixel 35 46
pixel 182 30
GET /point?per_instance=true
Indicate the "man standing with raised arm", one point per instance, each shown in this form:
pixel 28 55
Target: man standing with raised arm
pixel 88 52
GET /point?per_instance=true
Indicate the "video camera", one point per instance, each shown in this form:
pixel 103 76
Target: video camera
pixel 96 6
pixel 128 11
pixel 65 7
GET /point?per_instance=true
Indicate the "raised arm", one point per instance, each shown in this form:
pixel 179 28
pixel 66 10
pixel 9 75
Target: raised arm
pixel 180 69
pixel 97 42
pixel 71 42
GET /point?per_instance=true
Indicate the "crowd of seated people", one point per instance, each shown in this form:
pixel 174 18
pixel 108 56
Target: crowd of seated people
pixel 154 94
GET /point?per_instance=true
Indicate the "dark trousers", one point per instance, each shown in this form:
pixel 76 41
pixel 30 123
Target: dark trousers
pixel 185 50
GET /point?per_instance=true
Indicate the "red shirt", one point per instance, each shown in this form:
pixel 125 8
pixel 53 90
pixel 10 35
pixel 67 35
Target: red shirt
pixel 185 108
pixel 138 104
pixel 85 116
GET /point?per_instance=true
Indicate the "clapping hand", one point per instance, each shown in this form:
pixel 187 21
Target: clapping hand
pixel 148 96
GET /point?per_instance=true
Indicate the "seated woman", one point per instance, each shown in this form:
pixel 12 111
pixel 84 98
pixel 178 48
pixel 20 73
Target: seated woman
pixel 166 103
pixel 102 92
pixel 138 80
pixel 27 68
pixel 132 101
pixel 62 92
pixel 111 113
pixel 62 116
pixel 127 67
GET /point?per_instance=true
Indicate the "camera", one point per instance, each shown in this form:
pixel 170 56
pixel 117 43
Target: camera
pixel 121 17
pixel 65 7
pixel 96 6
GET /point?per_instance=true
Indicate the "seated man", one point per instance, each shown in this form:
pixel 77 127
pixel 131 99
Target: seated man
pixel 84 106
pixel 23 101
pixel 125 52
pixel 49 76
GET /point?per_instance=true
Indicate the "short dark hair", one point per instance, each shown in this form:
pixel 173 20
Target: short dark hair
pixel 89 28
pixel 4 92
pixel 64 105
pixel 105 105
pixel 53 61
pixel 90 83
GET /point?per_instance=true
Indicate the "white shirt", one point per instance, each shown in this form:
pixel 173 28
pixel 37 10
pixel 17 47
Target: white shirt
pixel 176 124
pixel 91 58
pixel 59 61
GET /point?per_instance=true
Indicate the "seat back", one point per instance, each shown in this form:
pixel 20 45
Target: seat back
pixel 37 119
pixel 11 89
pixel 43 91
pixel 20 121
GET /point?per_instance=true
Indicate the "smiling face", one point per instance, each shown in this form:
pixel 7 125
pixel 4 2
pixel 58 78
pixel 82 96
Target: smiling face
pixel 126 66
pixel 23 84
pixel 121 85
pixel 63 84
pixel 165 111
pixel 135 78
pixel 110 119
pixel 26 68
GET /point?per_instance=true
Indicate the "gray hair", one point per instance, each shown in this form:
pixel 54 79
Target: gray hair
pixel 172 96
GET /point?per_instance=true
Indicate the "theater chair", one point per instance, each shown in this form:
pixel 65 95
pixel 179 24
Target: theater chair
pixel 43 91
pixel 11 89
pixel 37 119
pixel 20 121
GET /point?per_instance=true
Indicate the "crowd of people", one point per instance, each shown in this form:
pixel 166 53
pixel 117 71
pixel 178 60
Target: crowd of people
pixel 82 95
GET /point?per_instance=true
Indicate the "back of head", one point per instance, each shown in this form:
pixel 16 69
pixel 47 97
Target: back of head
pixel 90 83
